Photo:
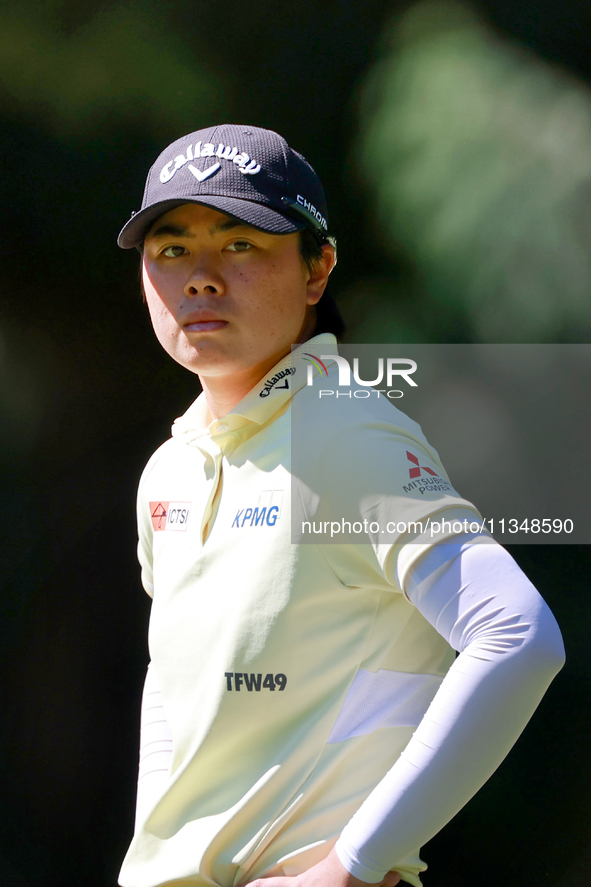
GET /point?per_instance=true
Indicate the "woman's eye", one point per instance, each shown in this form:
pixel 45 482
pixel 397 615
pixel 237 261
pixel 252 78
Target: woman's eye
pixel 173 252
pixel 239 246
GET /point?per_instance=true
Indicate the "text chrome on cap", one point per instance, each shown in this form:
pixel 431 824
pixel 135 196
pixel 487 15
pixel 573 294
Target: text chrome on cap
pixel 244 171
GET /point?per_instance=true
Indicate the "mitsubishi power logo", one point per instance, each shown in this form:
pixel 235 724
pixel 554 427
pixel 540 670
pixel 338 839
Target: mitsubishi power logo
pixel 416 471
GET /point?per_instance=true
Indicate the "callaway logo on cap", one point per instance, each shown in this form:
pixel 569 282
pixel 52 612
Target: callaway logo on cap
pixel 249 173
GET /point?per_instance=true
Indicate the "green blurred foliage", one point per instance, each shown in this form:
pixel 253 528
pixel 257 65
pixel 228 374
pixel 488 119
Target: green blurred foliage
pixel 75 69
pixel 478 156
pixel 475 158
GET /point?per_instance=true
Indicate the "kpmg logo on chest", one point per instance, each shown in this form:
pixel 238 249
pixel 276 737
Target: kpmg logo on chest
pixel 245 164
pixel 264 513
pixel 273 382
pixel 171 516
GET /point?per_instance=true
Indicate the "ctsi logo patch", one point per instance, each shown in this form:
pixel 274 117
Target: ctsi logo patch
pixel 172 516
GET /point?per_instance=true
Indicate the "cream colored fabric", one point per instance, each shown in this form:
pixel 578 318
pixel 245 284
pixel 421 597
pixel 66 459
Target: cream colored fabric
pixel 510 649
pixel 259 644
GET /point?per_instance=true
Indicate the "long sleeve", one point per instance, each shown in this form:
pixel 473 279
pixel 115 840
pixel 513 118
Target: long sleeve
pixel 510 648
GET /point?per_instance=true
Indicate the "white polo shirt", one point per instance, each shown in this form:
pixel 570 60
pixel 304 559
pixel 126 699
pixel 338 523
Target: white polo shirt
pixel 291 674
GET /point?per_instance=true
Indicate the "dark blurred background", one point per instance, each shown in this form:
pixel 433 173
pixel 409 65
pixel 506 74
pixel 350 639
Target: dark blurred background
pixel 454 141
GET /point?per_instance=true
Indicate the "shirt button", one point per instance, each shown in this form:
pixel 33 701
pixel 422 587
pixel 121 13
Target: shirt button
pixel 222 429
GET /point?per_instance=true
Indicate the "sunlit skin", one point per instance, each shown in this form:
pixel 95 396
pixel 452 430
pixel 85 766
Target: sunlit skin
pixel 328 873
pixel 226 300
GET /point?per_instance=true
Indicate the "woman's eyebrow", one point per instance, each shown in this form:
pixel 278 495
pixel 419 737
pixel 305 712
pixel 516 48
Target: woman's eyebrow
pixel 227 225
pixel 171 230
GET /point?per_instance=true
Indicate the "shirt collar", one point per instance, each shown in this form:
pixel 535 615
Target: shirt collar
pixel 265 401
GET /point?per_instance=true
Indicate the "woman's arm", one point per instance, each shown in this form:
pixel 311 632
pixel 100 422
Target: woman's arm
pixel 510 647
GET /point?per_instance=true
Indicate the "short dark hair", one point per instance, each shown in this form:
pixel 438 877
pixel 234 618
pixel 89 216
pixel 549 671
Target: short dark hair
pixel 328 316
pixel 310 248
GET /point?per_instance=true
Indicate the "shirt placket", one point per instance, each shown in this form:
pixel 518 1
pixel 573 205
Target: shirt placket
pixel 212 451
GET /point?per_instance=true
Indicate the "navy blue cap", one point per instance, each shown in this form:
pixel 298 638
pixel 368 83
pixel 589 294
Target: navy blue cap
pixel 246 172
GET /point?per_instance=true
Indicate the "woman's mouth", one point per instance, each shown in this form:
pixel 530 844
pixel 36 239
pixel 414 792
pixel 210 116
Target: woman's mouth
pixel 205 326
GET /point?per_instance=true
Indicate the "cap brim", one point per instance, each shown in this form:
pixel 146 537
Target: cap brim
pixel 255 214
